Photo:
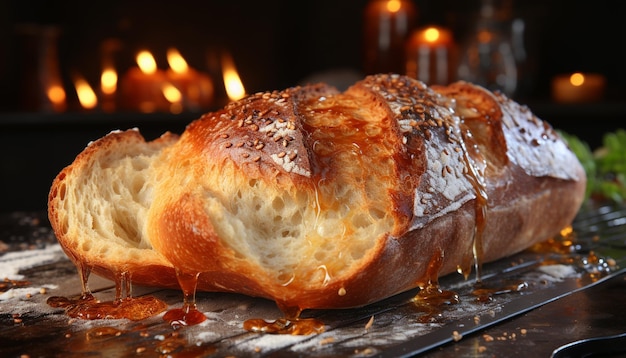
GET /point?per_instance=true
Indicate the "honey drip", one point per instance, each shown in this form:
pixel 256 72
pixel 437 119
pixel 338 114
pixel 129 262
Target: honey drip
pixel 292 324
pixel 188 314
pixel 83 273
pixel 431 299
pixel 89 308
pixel 476 176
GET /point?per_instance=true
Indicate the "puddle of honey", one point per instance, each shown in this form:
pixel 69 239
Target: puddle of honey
pixel 188 315
pixel 123 306
pixel 89 308
pixel 291 324
pixel 431 299
pixel 485 293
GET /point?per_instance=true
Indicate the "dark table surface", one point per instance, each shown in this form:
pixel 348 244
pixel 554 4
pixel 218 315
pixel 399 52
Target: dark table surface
pixel 586 299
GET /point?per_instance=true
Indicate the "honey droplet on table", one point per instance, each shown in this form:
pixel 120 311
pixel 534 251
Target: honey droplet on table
pixel 188 315
pixel 484 293
pixel 300 326
pixel 102 332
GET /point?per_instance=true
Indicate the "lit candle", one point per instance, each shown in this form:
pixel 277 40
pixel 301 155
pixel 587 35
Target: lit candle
pixel 56 96
pixel 142 86
pixel 578 87
pixel 431 55
pixel 86 95
pixel 173 96
pixel 108 87
pixel 232 81
pixel 387 23
pixel 195 87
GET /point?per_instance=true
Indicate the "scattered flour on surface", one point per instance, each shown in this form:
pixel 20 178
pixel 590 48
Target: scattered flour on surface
pixel 12 263
pixel 557 273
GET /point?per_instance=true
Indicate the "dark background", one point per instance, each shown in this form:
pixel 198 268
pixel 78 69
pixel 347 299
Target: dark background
pixel 275 44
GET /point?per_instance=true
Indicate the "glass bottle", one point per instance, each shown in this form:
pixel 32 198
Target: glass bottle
pixel 487 56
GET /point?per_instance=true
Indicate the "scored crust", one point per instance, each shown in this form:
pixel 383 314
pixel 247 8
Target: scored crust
pixel 317 198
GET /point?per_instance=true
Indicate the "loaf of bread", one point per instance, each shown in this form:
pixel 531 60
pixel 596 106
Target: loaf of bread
pixel 317 198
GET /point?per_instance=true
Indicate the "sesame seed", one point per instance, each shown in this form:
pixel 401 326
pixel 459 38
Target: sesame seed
pixel 257 158
pixel 281 154
pixel 246 155
pixel 239 145
pixel 228 145
pixel 293 155
pixel 224 135
pixel 259 146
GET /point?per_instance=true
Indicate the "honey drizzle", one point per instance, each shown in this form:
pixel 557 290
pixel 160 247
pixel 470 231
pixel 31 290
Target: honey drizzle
pixel 87 307
pixel 122 284
pixel 188 314
pixel 431 299
pixel 476 176
pixel 84 271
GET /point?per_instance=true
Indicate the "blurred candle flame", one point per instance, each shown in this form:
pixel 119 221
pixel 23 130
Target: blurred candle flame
pixel 146 62
pixel 56 95
pixel 86 95
pixel 171 93
pixel 176 61
pixel 577 79
pixel 108 81
pixel 232 82
pixel 431 34
pixel 173 96
pixel 393 6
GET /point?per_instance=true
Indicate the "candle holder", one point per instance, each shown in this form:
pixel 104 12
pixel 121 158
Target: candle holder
pixel 431 55
pixel 42 87
pixel 387 24
pixel 578 88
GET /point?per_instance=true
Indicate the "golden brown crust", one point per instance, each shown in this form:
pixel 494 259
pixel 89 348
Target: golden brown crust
pixel 431 165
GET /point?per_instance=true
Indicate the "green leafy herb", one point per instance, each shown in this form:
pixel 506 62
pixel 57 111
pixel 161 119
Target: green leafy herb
pixel 605 166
